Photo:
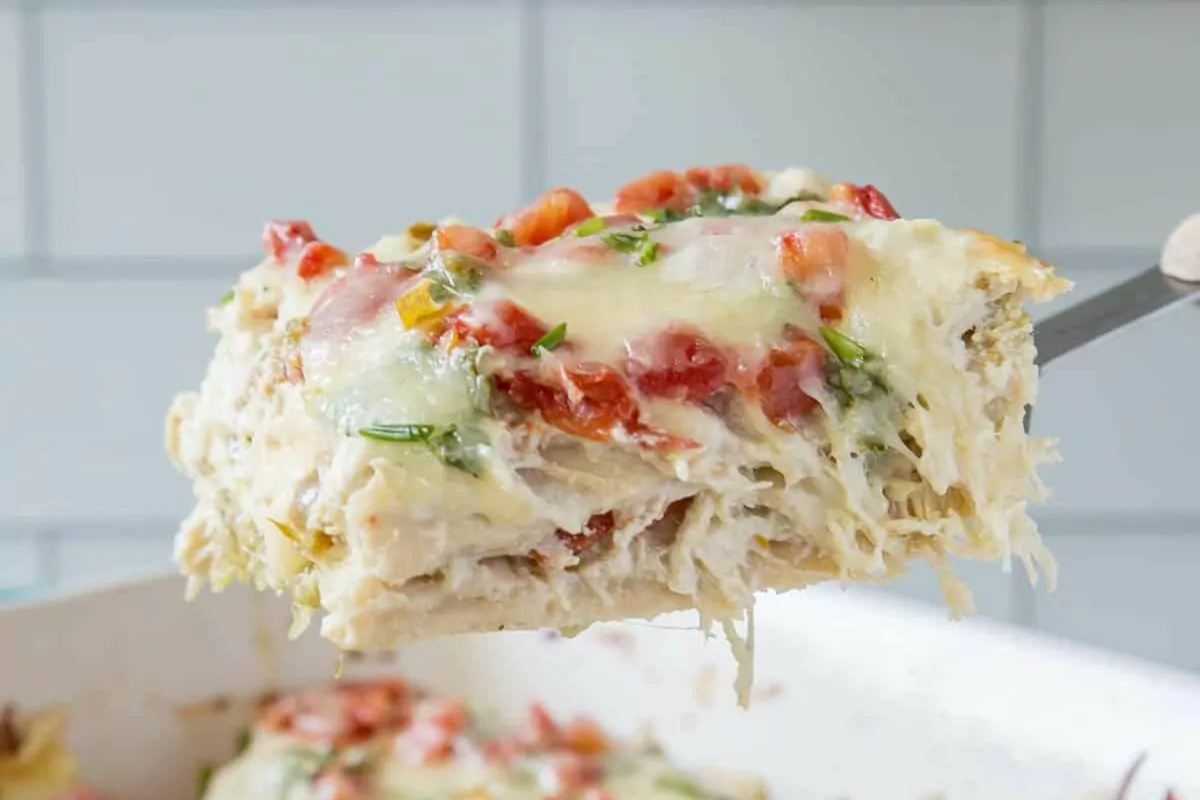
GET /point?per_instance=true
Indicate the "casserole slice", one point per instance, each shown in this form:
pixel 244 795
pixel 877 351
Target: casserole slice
pixel 724 381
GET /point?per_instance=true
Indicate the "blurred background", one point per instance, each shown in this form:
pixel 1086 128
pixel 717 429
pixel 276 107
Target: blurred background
pixel 143 144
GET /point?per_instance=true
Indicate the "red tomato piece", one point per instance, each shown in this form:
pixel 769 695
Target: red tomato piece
pixel 725 178
pixel 547 217
pixel 280 236
pixel 782 376
pixel 317 258
pixel 342 715
pixel 868 199
pixel 585 737
pixel 540 731
pixel 598 528
pixel 468 241
pixel 566 774
pixel 814 259
pixel 337 785
pixel 678 364
pixel 503 325
pixel 358 297
pixel 660 189
pixel 594 401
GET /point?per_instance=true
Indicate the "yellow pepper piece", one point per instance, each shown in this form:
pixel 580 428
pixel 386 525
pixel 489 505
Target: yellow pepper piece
pixel 418 309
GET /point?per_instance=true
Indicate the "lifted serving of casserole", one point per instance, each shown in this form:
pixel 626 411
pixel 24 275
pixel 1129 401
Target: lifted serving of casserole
pixel 724 381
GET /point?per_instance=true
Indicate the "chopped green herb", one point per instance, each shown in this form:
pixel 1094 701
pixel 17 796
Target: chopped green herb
pixel 459 448
pixel 203 779
pixel 854 371
pixel 848 351
pixel 821 215
pixel 227 298
pixel 664 215
pixel 505 237
pixel 623 242
pixel 647 253
pixel 550 339
pixel 398 433
pixel 752 205
pixel 243 740
pixel 591 226
pixel 679 785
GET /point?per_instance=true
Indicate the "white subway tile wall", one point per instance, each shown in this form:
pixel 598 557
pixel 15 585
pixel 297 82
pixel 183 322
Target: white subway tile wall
pixel 1120 121
pixel 145 142
pixel 12 177
pixel 719 88
pixel 204 122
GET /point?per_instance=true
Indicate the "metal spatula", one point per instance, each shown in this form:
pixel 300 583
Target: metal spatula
pixel 1109 312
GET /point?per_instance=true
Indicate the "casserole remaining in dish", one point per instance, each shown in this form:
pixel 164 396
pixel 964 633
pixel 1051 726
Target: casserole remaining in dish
pixel 388 740
pixel 724 381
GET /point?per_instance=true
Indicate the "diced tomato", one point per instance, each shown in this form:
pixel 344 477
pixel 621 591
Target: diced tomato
pixel 503 325
pixel 591 401
pixel 725 178
pixel 598 528
pixel 337 785
pixel 547 217
pixel 585 737
pixel 358 297
pixel 540 731
pixel 449 713
pixel 280 236
pixel 660 189
pixel 317 258
pixel 342 715
pixel 814 259
pixel 566 774
pixel 424 744
pixel 594 401
pixel 468 241
pixel 782 376
pixel 868 199
pixel 677 363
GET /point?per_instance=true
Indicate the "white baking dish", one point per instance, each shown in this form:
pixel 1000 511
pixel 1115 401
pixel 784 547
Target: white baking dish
pixel 857 697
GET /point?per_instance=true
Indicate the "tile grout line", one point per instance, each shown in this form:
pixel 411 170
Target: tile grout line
pixel 47 558
pixel 533 98
pixel 32 108
pixel 1031 92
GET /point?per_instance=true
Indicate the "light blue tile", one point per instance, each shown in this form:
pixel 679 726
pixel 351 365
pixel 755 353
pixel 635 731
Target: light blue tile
pixel 181 132
pixel 1123 409
pixel 12 211
pixel 1129 584
pixel 1121 121
pixel 19 569
pixel 878 94
pixel 91 369
pixel 93 561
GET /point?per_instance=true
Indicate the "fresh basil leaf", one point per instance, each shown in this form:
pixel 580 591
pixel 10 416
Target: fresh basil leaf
pixel 550 339
pixel 398 433
pixel 590 227
pixel 821 215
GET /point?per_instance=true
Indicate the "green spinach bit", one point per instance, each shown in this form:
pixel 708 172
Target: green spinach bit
pixel 854 372
pixel 549 340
